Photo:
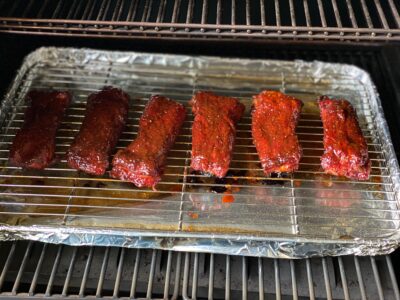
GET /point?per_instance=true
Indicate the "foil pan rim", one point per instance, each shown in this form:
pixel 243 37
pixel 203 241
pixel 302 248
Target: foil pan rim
pixel 272 248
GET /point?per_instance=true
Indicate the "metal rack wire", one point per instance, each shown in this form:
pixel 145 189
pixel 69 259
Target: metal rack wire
pixel 376 20
pixel 31 269
pixel 307 204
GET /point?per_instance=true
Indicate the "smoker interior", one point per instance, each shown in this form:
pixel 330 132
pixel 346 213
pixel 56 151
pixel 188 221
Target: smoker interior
pixel 327 278
pixel 377 280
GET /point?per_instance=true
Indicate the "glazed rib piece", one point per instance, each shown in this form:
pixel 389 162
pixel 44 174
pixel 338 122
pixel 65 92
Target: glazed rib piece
pixel 214 131
pixel 274 120
pixel 346 151
pixel 34 145
pixel 143 161
pixel 105 118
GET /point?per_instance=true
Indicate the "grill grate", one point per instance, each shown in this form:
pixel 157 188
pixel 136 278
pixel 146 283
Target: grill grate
pixel 184 201
pixel 265 19
pixel 97 272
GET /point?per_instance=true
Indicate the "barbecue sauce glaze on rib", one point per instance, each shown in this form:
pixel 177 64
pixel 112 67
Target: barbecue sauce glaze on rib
pixel 34 145
pixel 143 161
pixel 214 131
pixel 105 118
pixel 346 151
pixel 274 120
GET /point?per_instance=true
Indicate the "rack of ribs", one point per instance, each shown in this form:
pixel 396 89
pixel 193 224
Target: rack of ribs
pixel 214 131
pixel 346 151
pixel 34 144
pixel 274 120
pixel 105 118
pixel 143 161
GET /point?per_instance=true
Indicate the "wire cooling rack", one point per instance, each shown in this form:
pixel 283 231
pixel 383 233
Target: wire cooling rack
pixel 307 205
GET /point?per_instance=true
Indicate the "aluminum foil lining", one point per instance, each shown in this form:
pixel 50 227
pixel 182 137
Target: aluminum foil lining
pixel 299 215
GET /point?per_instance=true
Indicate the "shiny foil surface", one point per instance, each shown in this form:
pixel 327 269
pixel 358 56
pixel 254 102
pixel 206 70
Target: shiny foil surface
pixel 304 214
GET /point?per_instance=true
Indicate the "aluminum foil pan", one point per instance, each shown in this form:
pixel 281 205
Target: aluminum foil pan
pixel 300 215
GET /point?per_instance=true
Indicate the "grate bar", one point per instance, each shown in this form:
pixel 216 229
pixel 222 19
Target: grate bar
pixel 248 16
pixel 132 11
pixel 307 15
pixel 277 14
pixel 78 10
pixel 69 274
pixel 233 15
pixel 219 12
pixel 148 11
pixel 211 278
pixel 366 14
pixel 37 271
pixel 326 279
pixel 337 14
pixel 21 269
pixel 395 12
pixel 119 273
pixel 28 8
pixel 58 9
pixel 393 277
pixel 106 9
pixel 351 13
pixel 360 278
pixel 261 279
pixel 292 15
pixel 168 275
pixel 204 13
pixel 278 292
pixel 262 11
pixel 177 276
pixel 135 274
pixel 244 278
pixel 87 13
pixel 53 271
pixel 377 278
pixel 381 15
pixel 151 274
pixel 310 279
pixel 118 11
pixel 41 11
pixel 322 14
pixel 195 275
pixel 73 8
pixel 175 13
pixel 189 14
pixel 186 277
pixel 86 273
pixel 294 279
pixel 227 277
pixel 102 272
pixel 343 279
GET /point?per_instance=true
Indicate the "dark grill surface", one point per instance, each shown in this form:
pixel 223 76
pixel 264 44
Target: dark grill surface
pixel 111 272
pixel 35 269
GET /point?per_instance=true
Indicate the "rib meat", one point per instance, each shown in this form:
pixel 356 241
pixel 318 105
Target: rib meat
pixel 213 132
pixel 346 151
pixel 106 114
pixel 274 120
pixel 142 162
pixel 34 145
